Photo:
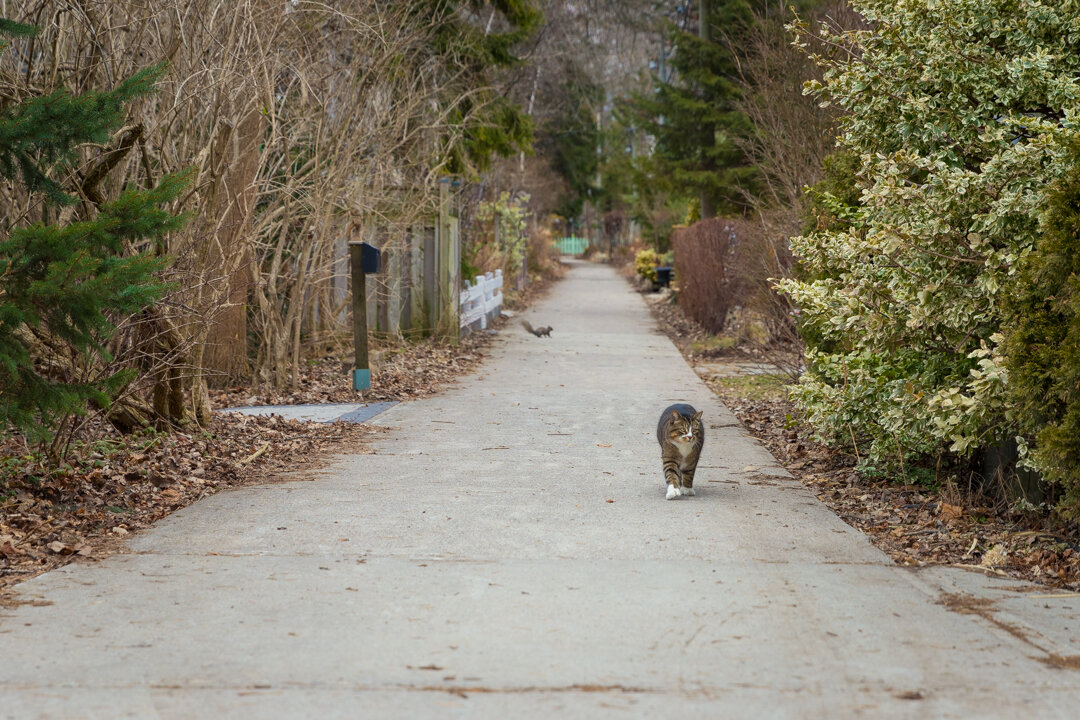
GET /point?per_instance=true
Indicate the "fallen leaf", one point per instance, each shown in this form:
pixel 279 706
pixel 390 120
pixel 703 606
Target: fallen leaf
pixel 951 512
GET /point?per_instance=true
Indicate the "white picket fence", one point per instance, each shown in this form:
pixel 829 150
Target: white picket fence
pixel 481 301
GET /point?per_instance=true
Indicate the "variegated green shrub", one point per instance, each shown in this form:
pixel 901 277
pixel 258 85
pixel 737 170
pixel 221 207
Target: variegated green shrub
pixel 957 111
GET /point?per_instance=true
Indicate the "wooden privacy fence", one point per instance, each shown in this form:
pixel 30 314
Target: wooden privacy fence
pixel 419 288
pixel 416 290
pixel 481 301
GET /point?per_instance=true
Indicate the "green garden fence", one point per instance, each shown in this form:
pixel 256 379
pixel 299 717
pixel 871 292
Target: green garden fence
pixel 572 245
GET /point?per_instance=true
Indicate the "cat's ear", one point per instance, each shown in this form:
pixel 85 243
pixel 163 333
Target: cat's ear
pixel 697 415
pixel 675 415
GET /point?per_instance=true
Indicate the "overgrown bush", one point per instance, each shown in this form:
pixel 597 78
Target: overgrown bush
pixel 645 263
pixel 704 256
pixel 725 263
pixel 542 256
pixel 1041 341
pixel 955 112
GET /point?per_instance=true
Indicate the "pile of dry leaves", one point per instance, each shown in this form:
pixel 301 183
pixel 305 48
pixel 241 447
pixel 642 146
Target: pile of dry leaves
pixel 913 523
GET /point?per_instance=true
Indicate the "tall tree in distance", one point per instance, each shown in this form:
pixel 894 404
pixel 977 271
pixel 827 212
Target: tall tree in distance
pixel 693 111
pixel 474 40
pixel 570 139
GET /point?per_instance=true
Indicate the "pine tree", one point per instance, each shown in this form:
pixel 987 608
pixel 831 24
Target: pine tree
pixel 472 40
pixel 570 138
pixel 693 113
pixel 63 285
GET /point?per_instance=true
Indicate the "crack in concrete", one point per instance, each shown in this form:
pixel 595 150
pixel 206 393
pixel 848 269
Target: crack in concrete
pixel 984 608
pixel 464 690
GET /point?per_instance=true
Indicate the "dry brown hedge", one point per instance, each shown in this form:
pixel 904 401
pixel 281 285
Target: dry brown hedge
pixel 724 264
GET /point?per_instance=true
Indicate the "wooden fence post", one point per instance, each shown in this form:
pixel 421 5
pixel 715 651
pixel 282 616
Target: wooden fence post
pixel 448 266
pixel 405 306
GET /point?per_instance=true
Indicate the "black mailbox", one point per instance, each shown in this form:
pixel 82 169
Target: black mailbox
pixel 370 258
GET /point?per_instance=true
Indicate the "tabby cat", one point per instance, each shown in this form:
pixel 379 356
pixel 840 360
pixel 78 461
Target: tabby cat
pixel 681 436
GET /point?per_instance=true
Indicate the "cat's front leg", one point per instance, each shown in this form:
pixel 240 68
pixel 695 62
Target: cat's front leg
pixel 688 482
pixel 673 477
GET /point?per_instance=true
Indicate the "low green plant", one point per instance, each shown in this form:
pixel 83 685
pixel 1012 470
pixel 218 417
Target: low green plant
pixel 711 344
pixel 764 386
pixel 646 262
pixel 754 333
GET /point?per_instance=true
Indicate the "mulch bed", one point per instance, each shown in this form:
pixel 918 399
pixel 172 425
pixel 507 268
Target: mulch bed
pixel 914 524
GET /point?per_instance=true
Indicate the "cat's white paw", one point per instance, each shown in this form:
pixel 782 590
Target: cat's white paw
pixel 672 492
pixel 688 491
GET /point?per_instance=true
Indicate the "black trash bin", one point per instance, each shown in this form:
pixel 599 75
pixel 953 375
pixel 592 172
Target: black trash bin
pixel 663 278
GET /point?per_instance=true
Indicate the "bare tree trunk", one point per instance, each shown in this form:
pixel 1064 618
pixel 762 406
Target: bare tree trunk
pixel 226 355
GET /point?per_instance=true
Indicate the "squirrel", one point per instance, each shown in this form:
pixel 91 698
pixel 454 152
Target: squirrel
pixel 538 332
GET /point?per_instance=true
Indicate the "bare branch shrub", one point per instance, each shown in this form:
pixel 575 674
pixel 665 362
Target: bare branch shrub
pixel 307 124
pixel 704 264
pixel 725 269
pixel 793 134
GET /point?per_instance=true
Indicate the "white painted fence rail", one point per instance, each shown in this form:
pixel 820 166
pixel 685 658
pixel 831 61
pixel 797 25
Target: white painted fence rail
pixel 481 301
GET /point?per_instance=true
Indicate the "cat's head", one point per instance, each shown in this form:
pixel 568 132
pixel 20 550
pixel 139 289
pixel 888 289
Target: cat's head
pixel 684 430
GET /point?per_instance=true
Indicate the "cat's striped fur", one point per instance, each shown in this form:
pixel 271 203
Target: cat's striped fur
pixel 681 435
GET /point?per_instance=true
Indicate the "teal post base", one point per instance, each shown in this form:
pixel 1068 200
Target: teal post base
pixel 361 379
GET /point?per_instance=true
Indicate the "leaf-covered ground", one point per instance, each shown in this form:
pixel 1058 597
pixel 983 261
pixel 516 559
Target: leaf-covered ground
pixel 916 524
pixel 399 371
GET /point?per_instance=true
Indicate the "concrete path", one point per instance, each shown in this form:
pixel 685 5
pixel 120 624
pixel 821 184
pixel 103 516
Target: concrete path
pixel 508 552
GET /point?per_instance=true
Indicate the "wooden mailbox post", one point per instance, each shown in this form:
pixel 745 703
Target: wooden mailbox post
pixel 364 259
